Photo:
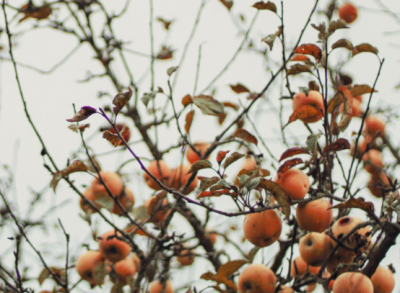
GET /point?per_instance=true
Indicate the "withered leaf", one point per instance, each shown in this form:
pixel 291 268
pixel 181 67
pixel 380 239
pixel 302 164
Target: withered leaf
pixel 172 70
pixel 114 138
pixel 120 100
pixel 245 135
pixel 44 274
pixel 227 3
pixel 269 40
pixel 365 47
pixel 57 176
pixel 338 145
pixel 199 165
pixel 224 272
pixel 305 112
pixel 289 164
pixel 186 100
pixel 216 193
pixel 232 158
pixel 347 109
pixel 147 97
pixel 76 166
pixel 189 120
pixel 337 24
pixel 208 105
pixel 312 141
pixel 336 101
pixel 265 6
pixel 313 86
pixel 278 193
pixel 84 113
pixel 357 203
pixel 310 49
pixel 100 272
pixel 166 23
pixel 221 118
pixel 231 105
pixel 220 156
pixel 292 152
pixel 165 53
pixel 360 89
pixel 252 253
pixel 239 88
pixel 207 182
pixel 343 43
pixel 81 127
pixel 31 11
pixel 297 68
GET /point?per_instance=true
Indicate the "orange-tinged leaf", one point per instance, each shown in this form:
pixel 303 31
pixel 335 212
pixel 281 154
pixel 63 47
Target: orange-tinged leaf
pixel 299 58
pixel 121 99
pixel 305 112
pixel 358 203
pixel 76 166
pixel 231 105
pixel 165 53
pixel 189 120
pixel 39 13
pixel 84 113
pixel 265 6
pixel 112 138
pixel 224 272
pixel 289 164
pixel 215 193
pixel 278 193
pixel 297 68
pixel 293 151
pixel 221 118
pixel 364 48
pixel 166 23
pixel 159 198
pixel 57 176
pixel 245 135
pixel 227 3
pixel 221 155
pixel 336 101
pixel 338 145
pixel 232 158
pixel 360 89
pixel 239 88
pixel 186 100
pixel 310 49
pixel 44 274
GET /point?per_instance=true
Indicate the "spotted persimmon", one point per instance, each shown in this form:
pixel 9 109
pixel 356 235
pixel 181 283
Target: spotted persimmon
pixel 112 248
pixel 314 248
pixel 262 229
pixel 315 215
pixel 86 264
pixel 257 278
pixel 352 282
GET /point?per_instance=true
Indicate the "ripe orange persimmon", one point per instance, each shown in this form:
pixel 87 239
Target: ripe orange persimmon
pixel 359 239
pixel 112 180
pixel 377 185
pixel 186 257
pixel 315 215
pixel 299 267
pixel 373 125
pixel 180 176
pixel 294 182
pixel 383 280
pixel 113 249
pixel 249 163
pixel 348 12
pixel 123 271
pixel 162 212
pixel 160 170
pixel 157 286
pixel 352 282
pixel 373 162
pixel 262 229
pixel 314 248
pixel 314 99
pixel 86 264
pixel 257 278
pixel 88 194
pixel 200 146
pixel 127 201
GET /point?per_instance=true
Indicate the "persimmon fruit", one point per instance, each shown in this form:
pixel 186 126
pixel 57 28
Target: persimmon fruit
pixel 348 12
pixel 315 215
pixel 180 176
pixel 113 249
pixel 157 286
pixel 257 278
pixel 262 229
pixel 160 170
pixel 352 282
pixel 86 264
pixel 314 98
pixel 314 248
pixel 200 146
pixel 383 280
pixel 111 179
pixel 294 182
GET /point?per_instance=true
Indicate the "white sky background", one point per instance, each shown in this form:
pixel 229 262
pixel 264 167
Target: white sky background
pixel 50 97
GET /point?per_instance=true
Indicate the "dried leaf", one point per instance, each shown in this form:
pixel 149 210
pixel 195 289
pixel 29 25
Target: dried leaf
pixel 245 135
pixel 100 272
pixel 239 88
pixel 357 203
pixel 57 176
pixel 159 198
pixel 292 152
pixel 189 120
pixel 186 100
pixel 165 53
pixel 84 113
pixel 347 109
pixel 121 99
pixel 231 105
pixel 166 23
pixel 221 118
pixel 104 200
pixel 44 274
pixel 114 138
pixel 232 158
pixel 310 49
pixel 364 48
pixel 140 213
pixel 343 43
pixel 216 193
pixel 81 127
pixel 227 3
pixel 199 165
pixel 147 97
pixel 300 58
pixel 76 166
pixel 278 193
pixel 306 112
pixel 224 272
pixel 313 86
pixel 208 105
pixel 269 40
pixel 172 70
pixel 31 11
pixel 337 24
pixel 252 253
pixel 360 89
pixel 297 68
pixel 289 164
pixel 336 101
pixel 265 6
pixel 220 156
pixel 338 145
pixel 207 182
pixel 312 141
